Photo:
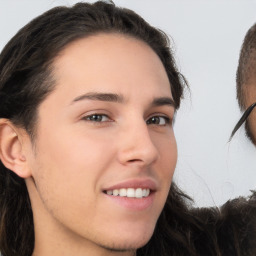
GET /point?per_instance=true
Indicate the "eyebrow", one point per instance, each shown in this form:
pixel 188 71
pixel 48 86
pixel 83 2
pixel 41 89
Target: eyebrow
pixel 113 97
pixel 161 101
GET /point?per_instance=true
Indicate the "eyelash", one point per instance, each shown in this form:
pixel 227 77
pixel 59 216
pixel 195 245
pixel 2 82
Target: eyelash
pixel 93 118
pixel 90 118
pixel 166 119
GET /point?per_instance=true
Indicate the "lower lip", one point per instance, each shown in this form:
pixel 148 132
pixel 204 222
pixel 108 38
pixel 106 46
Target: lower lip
pixel 137 204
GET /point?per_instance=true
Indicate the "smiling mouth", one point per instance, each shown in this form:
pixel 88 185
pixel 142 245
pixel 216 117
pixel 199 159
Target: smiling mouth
pixel 129 192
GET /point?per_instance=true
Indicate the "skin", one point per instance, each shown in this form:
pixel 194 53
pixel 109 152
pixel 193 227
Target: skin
pixel 75 157
pixel 250 98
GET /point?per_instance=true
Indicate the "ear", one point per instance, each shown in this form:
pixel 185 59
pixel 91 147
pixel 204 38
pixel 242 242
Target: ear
pixel 12 152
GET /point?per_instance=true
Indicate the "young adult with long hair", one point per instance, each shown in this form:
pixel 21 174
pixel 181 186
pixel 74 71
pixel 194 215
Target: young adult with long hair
pixel 88 95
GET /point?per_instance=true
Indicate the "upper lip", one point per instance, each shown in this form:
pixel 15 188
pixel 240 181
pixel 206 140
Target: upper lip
pixel 134 183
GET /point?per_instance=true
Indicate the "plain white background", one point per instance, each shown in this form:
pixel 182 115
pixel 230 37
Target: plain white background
pixel 206 36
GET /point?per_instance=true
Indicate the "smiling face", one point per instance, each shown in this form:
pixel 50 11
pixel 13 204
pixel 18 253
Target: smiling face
pixel 105 150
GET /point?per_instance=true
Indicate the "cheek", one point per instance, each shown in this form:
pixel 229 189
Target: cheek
pixel 69 149
pixel 68 167
pixel 250 128
pixel 170 161
pixel 167 149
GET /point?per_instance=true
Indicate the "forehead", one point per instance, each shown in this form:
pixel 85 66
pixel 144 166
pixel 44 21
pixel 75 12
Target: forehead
pixel 110 60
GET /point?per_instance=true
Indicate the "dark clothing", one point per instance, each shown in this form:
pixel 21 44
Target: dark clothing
pixel 183 230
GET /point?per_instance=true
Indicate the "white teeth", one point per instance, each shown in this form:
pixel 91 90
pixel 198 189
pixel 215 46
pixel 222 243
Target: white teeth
pixel 110 192
pixel 130 192
pixel 122 192
pixel 115 192
pixel 138 193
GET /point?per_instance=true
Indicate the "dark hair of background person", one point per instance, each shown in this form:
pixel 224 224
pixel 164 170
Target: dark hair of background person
pixel 25 81
pixel 246 74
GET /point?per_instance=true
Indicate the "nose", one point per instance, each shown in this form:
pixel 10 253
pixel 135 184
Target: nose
pixel 136 146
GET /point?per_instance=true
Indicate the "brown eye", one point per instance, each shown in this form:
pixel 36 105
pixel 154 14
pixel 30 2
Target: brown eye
pixel 97 118
pixel 158 120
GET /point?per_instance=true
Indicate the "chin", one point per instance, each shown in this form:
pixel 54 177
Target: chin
pixel 127 242
pixel 122 246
